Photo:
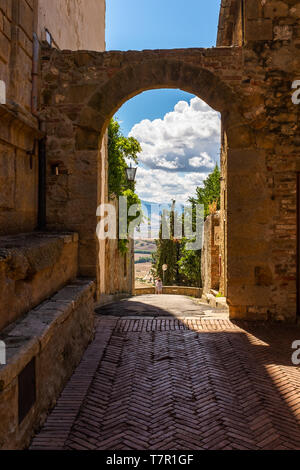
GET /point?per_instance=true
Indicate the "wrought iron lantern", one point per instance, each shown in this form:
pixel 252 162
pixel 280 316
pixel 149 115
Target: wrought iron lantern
pixel 131 173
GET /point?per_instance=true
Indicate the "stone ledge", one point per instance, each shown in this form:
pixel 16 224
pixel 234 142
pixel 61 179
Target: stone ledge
pixel 171 290
pixel 33 267
pixel 28 336
pixel 14 119
pixel 55 334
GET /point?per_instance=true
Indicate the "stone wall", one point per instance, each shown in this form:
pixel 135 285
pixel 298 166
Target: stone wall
pixel 260 186
pixel 171 290
pixel 18 128
pixel 230 30
pixel 85 31
pixel 33 267
pixel 73 26
pixel 51 339
pixel 119 268
pixel 210 257
pixel 251 86
pixel 77 112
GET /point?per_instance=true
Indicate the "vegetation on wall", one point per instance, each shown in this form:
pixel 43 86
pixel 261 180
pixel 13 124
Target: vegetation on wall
pixel 210 194
pixel 121 148
pixel 190 265
pixel 184 266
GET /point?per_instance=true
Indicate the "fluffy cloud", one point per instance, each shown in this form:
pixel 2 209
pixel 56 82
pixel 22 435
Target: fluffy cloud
pixel 161 187
pixel 186 140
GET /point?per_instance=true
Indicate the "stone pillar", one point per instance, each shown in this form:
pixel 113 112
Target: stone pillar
pixel 210 254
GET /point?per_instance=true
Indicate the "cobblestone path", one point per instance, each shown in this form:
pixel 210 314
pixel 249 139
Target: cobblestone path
pixel 175 381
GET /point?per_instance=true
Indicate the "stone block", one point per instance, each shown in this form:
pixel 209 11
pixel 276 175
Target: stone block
pixel 55 335
pixel 275 9
pixel 7 178
pixel 32 267
pixel 4 48
pixel 26 18
pixel 252 9
pixel 259 30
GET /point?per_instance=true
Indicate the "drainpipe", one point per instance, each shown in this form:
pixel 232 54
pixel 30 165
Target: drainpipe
pixel 34 110
pixel 35 74
pixel 42 185
pixel 243 21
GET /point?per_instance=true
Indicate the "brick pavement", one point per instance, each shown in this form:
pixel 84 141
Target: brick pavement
pixel 171 384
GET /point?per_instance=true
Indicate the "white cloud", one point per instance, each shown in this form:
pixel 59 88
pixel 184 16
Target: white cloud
pixel 203 161
pixel 162 187
pixel 187 139
pixel 179 151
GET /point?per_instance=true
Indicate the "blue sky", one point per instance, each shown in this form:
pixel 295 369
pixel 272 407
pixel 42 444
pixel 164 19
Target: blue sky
pixel 158 24
pixel 174 136
pixel 161 24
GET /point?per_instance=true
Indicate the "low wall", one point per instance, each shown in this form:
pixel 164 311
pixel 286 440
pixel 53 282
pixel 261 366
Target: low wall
pixel 42 352
pixel 171 290
pixel 32 268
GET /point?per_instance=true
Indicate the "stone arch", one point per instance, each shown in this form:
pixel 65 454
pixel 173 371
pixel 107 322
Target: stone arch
pixel 103 83
pixel 134 79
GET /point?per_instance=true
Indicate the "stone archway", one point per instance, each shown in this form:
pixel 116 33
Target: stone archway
pixel 83 90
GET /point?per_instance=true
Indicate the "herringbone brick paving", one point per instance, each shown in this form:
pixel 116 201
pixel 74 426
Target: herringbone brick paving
pixel 167 384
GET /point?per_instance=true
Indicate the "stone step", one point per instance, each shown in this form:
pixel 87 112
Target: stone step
pixel 50 340
pixel 216 302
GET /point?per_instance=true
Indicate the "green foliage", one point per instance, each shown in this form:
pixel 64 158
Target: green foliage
pixel 210 192
pixel 190 265
pixel 168 252
pixel 184 266
pixel 120 148
pixel 132 199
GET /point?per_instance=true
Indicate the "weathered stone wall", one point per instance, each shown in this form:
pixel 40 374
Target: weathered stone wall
pixel 171 290
pixel 230 31
pixel 260 185
pixel 33 267
pixel 251 86
pixel 119 268
pixel 86 30
pixel 55 336
pixel 210 263
pixel 18 128
pixel 81 92
pixel 74 26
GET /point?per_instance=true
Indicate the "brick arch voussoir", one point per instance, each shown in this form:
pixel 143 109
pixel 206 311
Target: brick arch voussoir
pixel 136 78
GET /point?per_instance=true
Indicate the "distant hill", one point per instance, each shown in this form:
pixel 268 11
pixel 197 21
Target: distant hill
pixel 144 246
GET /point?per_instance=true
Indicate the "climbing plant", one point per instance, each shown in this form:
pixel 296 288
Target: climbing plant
pixel 209 194
pixel 121 148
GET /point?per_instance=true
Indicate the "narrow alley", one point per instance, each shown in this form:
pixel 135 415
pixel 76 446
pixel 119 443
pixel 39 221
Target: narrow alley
pixel 167 373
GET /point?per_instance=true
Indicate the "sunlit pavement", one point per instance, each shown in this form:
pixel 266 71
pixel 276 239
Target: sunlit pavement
pixel 166 373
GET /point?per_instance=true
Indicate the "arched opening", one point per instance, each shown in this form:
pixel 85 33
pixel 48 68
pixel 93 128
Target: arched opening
pixel 131 81
pixel 105 83
pixel 180 139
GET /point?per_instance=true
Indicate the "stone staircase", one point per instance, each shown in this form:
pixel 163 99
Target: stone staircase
pixel 214 301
